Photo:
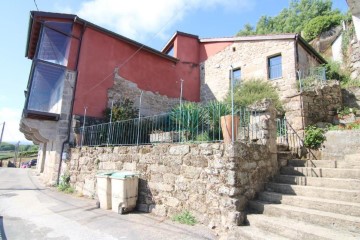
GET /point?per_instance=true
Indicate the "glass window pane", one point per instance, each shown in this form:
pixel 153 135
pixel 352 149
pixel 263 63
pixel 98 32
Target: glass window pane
pixel 54 46
pixel 275 68
pixel 236 76
pixel 47 88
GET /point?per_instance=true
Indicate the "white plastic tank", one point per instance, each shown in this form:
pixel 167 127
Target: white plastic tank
pixel 124 191
pixel 104 189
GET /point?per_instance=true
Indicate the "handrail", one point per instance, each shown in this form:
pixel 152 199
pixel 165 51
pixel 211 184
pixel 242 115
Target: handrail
pixel 300 139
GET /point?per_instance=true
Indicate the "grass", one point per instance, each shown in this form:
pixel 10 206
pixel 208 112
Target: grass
pixel 6 155
pixel 185 218
pixel 349 126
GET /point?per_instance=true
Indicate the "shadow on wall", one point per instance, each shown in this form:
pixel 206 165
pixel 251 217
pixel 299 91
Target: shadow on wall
pixel 351 97
pixel 206 93
pixel 145 202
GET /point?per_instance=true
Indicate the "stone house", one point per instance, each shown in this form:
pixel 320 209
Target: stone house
pixel 79 68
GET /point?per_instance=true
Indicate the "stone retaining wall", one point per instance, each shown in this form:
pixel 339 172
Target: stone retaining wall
pixel 340 143
pixel 213 181
pixel 310 107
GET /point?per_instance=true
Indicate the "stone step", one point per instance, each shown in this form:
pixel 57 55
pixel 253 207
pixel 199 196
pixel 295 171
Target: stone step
pixel 334 206
pixel 321 172
pixel 282 147
pixel 292 229
pixel 350 162
pixel 312 163
pixel 316 192
pixel 316 217
pixel 252 233
pixel 342 183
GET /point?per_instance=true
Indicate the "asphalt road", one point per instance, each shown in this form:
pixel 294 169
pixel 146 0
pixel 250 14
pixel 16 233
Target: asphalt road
pixel 29 210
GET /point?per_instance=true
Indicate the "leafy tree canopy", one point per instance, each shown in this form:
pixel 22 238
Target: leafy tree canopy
pixel 7 147
pixel 292 19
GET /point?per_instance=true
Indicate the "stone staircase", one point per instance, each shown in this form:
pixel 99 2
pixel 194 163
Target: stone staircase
pixel 309 199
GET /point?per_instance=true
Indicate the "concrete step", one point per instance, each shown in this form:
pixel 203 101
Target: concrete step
pixel 252 233
pixel 350 162
pixel 327 205
pixel 292 229
pixel 316 192
pixel 316 217
pixel 312 163
pixel 341 183
pixel 321 172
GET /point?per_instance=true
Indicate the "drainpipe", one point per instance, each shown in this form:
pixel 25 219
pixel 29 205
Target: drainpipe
pixel 72 101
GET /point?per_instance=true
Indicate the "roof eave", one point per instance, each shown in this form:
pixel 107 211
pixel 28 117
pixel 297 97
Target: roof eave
pixel 310 48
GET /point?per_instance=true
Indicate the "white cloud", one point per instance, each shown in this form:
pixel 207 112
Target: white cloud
pixel 140 19
pixel 11 117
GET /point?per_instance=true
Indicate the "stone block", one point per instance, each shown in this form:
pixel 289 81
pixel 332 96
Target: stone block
pixel 172 202
pixel 159 210
pixel 191 172
pixel 179 149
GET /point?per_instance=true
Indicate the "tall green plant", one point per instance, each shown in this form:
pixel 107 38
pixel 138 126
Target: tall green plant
pixel 215 110
pixel 189 117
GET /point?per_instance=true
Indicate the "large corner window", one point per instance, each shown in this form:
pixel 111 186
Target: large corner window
pixel 46 88
pixel 275 67
pixel 55 43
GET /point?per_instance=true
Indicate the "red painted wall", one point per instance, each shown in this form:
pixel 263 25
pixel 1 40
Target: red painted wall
pixel 208 49
pixel 101 53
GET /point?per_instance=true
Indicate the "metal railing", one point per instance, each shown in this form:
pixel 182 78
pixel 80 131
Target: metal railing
pixel 185 124
pixel 312 78
pixel 286 135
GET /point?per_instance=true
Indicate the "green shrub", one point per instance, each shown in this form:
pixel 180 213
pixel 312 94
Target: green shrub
pixel 314 137
pixel 252 91
pixel 185 218
pixel 64 184
pixel 121 110
pixel 203 137
pixel 321 24
pixel 341 112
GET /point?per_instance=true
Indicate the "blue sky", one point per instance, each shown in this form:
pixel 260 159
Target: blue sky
pixel 149 22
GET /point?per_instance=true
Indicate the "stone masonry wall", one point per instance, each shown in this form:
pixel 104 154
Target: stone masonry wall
pixel 354 59
pixel 151 104
pixel 213 181
pixel 318 105
pixel 252 59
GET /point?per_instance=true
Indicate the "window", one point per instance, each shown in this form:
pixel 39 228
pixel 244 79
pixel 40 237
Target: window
pixel 274 64
pixel 236 76
pixel 55 44
pixel 46 88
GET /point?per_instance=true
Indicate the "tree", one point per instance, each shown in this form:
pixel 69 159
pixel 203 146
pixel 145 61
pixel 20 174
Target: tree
pixel 7 147
pixel 292 19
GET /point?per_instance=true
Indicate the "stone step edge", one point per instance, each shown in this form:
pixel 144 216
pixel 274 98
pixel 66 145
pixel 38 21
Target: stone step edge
pixel 309 211
pixel 315 188
pixel 324 178
pixel 315 199
pixel 303 227
pixel 253 232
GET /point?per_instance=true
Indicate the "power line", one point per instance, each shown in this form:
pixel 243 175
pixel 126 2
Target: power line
pixel 36 5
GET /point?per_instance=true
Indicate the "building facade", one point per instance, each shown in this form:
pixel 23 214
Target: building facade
pixel 80 68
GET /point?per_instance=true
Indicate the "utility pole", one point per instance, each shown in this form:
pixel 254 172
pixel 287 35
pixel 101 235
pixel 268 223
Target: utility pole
pixel 2 132
pixel 16 153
